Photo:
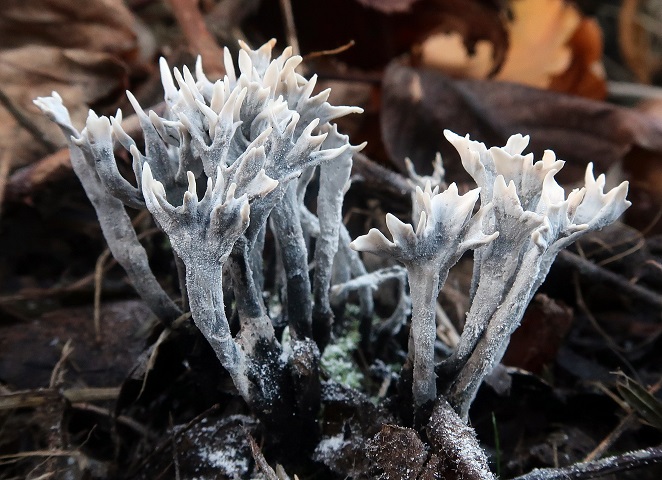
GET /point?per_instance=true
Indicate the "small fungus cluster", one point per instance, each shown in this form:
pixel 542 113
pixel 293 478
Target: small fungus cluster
pixel 230 159
pixel 524 220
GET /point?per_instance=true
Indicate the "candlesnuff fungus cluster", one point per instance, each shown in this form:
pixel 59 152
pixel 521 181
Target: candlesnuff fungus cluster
pixel 525 219
pixel 232 158
pixel 253 141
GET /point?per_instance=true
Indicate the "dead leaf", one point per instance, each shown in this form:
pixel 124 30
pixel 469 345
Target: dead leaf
pixel 209 446
pixel 82 50
pixel 397 453
pixel 480 25
pixel 383 30
pixel 585 76
pixel 551 45
pixel 29 351
pixel 97 25
pixel 49 169
pixel 634 42
pixel 418 104
pixel 447 52
pixel 539 34
pixel 536 342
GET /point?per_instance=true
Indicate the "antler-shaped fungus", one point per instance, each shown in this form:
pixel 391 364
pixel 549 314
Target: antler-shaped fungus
pixel 203 233
pixel 535 221
pixel 89 149
pixel 248 137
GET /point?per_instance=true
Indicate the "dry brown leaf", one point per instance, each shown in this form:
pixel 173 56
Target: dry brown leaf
pixel 634 42
pixel 29 350
pixel 80 49
pixel 418 104
pixel 585 76
pixel 551 45
pixel 384 29
pixel 469 38
pixel 446 52
pixel 96 25
pixel 539 34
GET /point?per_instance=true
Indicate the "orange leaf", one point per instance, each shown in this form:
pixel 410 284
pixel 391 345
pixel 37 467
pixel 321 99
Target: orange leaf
pixel 539 36
pixel 585 76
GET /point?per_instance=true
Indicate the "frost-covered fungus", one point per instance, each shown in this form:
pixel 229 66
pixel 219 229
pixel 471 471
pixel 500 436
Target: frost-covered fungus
pixel 248 137
pixel 89 149
pixel 596 210
pixel 333 183
pixel 437 179
pixel 203 233
pixel 513 183
pixel 535 220
pixel 496 266
pixel 445 230
pixel 293 126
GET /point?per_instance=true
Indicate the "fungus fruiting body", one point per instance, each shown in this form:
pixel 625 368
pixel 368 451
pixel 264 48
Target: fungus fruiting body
pixel 230 159
pixel 248 139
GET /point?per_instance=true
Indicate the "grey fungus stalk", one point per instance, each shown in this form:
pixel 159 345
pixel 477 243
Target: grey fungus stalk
pixel 446 229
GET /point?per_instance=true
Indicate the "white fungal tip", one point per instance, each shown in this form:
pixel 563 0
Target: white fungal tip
pixel 245 212
pixel 191 182
pixel 230 193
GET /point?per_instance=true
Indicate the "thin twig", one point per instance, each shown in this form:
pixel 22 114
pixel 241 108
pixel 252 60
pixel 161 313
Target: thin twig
pixel 56 374
pixel 625 423
pixel 40 453
pixel 613 346
pixel 123 419
pixel 598 468
pixel 290 28
pixel 605 277
pixel 37 293
pixel 199 39
pixel 633 90
pixel 5 164
pixel 638 246
pixel 261 462
pixel 43 396
pixel 333 51
pixel 380 177
pixel 101 267
pixel 27 123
